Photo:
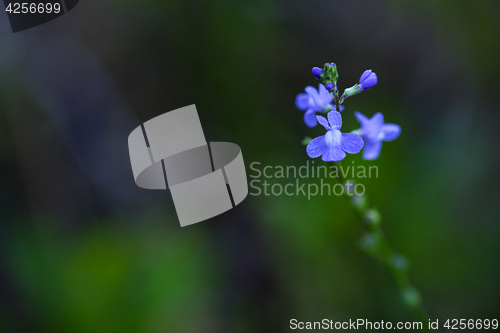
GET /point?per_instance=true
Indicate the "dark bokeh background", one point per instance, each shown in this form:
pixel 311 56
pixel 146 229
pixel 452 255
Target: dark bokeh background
pixel 82 249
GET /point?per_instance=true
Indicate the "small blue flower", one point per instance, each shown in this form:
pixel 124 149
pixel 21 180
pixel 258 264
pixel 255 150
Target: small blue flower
pixel 368 79
pixel 374 131
pixel 334 144
pixel 314 101
pixel 317 72
pixel 329 86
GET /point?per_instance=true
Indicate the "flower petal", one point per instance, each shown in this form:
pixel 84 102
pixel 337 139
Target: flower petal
pixel 313 93
pixel 351 143
pixel 372 149
pixel 322 120
pixel 316 147
pixel 371 128
pixel 377 120
pixel 362 119
pixel 333 138
pixel 302 101
pixel 324 95
pixel 370 81
pixel 391 132
pixel 310 118
pixel 335 119
pixel 333 155
pixel 364 76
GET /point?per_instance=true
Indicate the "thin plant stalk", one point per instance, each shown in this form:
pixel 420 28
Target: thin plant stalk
pixel 376 244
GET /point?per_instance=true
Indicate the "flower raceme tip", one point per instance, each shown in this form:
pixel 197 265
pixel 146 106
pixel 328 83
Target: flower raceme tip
pixel 314 100
pixel 374 131
pixel 334 145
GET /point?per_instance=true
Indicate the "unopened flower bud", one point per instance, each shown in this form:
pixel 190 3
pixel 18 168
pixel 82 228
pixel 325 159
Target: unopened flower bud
pixel 399 262
pixel 370 243
pixel 372 216
pixel 368 79
pixel 359 201
pixel 329 86
pixel 349 187
pixel 411 297
pixel 317 72
pixel 330 72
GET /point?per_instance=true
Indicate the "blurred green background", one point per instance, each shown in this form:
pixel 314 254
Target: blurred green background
pixel 82 249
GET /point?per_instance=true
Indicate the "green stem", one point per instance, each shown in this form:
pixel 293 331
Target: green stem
pixel 337 102
pixel 376 243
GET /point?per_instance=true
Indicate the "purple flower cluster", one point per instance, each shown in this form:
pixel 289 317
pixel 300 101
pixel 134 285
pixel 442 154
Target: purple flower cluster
pixel 314 101
pixel 334 145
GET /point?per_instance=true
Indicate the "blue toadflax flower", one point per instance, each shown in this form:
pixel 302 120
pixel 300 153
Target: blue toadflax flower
pixel 374 131
pixel 368 79
pixel 314 101
pixel 334 144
